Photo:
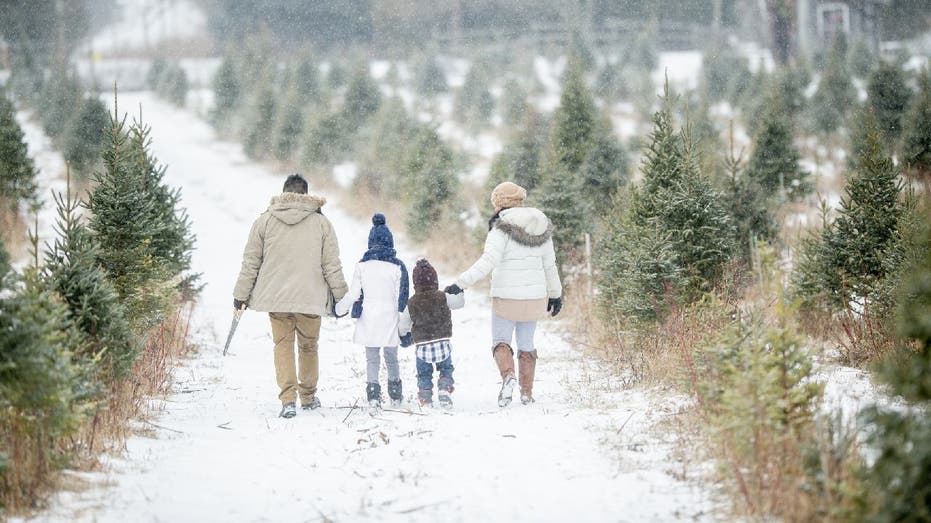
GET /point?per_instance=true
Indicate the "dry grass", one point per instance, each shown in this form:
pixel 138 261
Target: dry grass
pixel 35 460
pixel 13 233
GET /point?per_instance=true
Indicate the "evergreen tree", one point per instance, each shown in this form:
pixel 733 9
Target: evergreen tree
pixel 260 125
pixel 43 392
pixel 95 310
pixel 226 93
pixel 362 99
pixel 85 138
pixel 642 55
pixel 431 182
pixel 861 58
pixel 336 76
pixel 604 171
pixel 579 51
pixel 836 93
pixel 609 84
pixel 574 121
pixel 60 99
pixel 38 377
pixel 560 195
pixel 916 140
pixel 888 96
pixel 431 80
pixel 519 161
pixel 290 127
pixel 156 71
pixel 774 164
pixel 174 85
pixel 725 74
pixel 5 267
pixel 901 473
pixel 636 266
pixel 17 172
pixel 475 102
pixel 750 207
pixel 847 262
pixel 700 228
pixel 679 207
pixel 123 225
pixel 171 239
pixel 514 104
pixel 326 139
pixel 307 80
pixel 384 148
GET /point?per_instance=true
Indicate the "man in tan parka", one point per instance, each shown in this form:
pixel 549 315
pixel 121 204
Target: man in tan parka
pixel 291 269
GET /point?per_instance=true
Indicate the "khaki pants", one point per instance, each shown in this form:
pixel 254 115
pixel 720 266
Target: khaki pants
pixel 303 380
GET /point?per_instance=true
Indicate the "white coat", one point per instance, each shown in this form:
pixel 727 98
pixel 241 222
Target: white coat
pixel 380 284
pixel 520 257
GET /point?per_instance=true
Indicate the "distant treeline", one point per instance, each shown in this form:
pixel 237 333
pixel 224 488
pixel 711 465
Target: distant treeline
pixel 328 24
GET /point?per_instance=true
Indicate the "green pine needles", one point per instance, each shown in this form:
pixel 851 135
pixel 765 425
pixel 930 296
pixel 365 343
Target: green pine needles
pixel 17 171
pixel 145 239
pixel 916 137
pixel 845 263
pixel 72 270
pixel 667 240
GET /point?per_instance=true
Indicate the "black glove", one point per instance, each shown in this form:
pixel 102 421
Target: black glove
pixel 453 289
pixel 407 340
pixel 554 305
pixel 238 304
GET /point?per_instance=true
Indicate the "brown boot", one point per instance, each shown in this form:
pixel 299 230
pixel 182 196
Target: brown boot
pixel 526 367
pixel 504 357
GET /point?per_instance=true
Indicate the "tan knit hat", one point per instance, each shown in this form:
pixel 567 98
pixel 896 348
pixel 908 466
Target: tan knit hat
pixel 508 194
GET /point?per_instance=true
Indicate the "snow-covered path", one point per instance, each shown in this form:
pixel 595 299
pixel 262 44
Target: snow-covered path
pixel 223 455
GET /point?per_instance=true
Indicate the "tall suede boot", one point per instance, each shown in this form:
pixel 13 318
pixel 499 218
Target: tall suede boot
pixel 504 357
pixel 526 367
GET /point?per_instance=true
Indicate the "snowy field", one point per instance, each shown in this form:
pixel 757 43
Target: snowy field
pixel 586 451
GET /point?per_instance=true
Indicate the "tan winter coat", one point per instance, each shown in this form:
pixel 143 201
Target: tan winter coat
pixel 291 261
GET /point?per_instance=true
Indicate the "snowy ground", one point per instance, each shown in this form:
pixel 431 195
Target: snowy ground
pixel 221 454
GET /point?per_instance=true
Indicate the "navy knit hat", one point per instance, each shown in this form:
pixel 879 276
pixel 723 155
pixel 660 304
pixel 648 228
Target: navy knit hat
pixel 380 235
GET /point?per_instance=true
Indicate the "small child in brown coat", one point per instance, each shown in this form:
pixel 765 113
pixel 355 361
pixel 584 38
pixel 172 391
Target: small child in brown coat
pixel 427 323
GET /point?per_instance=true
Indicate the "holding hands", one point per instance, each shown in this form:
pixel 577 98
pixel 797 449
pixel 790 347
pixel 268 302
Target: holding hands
pixel 554 305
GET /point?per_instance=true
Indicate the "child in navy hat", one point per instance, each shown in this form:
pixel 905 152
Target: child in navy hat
pixel 377 295
pixel 427 323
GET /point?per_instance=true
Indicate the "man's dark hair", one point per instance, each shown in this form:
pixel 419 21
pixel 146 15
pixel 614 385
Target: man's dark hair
pixel 295 183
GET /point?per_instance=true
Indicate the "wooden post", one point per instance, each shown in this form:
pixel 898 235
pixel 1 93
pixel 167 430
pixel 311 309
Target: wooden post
pixel 588 260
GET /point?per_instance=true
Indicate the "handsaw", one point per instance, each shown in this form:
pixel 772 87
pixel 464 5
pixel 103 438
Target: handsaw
pixel 237 314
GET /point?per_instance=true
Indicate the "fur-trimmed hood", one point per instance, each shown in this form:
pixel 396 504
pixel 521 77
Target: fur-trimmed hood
pixel 291 207
pixel 525 225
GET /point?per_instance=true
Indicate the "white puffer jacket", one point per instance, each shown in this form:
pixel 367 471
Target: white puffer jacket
pixel 519 256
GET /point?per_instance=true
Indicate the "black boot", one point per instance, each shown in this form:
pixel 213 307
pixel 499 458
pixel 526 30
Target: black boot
pixel 394 392
pixel 373 393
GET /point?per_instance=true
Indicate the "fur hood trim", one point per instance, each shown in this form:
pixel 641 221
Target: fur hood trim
pixel 287 198
pixel 525 225
pixel 292 208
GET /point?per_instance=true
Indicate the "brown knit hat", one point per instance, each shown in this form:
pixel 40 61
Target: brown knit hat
pixel 508 194
pixel 425 276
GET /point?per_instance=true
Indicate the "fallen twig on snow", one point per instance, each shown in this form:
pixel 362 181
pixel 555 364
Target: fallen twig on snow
pixel 161 427
pixel 225 426
pixel 405 412
pixel 354 406
pixel 421 507
pixel 625 423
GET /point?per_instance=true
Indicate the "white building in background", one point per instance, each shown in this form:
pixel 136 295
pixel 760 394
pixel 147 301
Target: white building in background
pixel 819 21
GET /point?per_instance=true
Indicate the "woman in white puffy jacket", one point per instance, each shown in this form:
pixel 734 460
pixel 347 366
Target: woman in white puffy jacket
pixel 525 284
